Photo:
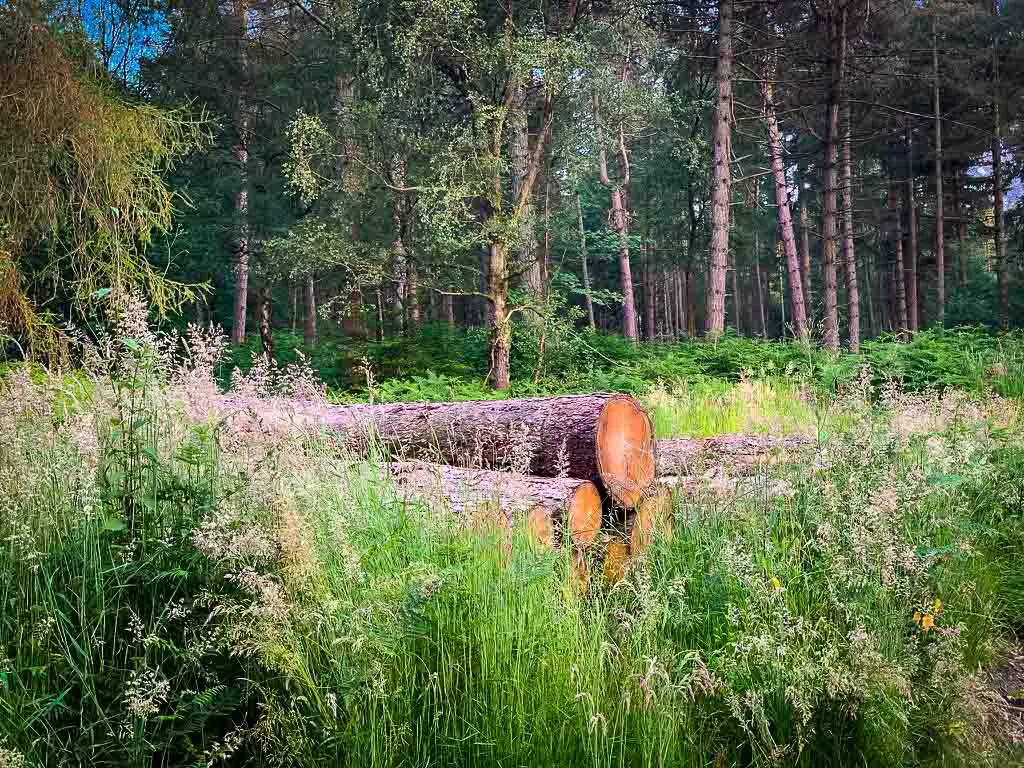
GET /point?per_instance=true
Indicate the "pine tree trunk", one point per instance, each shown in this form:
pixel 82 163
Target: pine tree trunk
pixel 805 257
pixel 897 237
pixel 449 309
pixel 650 297
pixel 736 297
pixel 940 224
pixel 309 321
pixel 588 300
pixel 1002 268
pixel 796 291
pixel 399 262
pixel 829 218
pixel 913 304
pixel 849 257
pixel 241 152
pixel 757 277
pixel 718 258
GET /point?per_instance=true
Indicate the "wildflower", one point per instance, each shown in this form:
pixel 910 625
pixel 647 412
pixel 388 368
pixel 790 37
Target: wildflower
pixel 145 693
pixel 776 583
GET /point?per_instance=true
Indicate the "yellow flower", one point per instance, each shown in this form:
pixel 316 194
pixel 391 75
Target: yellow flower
pixel 937 606
pixel 927 622
pixel 776 583
pixel 917 616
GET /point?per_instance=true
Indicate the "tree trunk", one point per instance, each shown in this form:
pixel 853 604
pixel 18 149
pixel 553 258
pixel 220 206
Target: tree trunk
pixel 961 224
pixel 652 517
pixel 913 304
pixel 796 291
pixel 757 277
pixel 241 152
pixel 940 224
pixel 399 262
pixel 805 257
pixel 1002 268
pixel 501 322
pixel 266 329
pixel 519 158
pixel 605 438
pixel 897 237
pixel 555 510
pixel 739 453
pixel 650 296
pixel 829 223
pixel 718 256
pixel 691 309
pixel 449 309
pixel 309 321
pixel 849 257
pixel 588 300
pixel 620 222
pixel 736 297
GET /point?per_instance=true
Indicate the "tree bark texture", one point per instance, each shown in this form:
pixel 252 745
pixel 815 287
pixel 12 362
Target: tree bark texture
pixel 266 328
pixel 829 219
pixel 849 256
pixel 1002 268
pixel 913 305
pixel 588 300
pixel 740 453
pixel 718 256
pixel 940 224
pixel 608 438
pixel 796 290
pixel 555 510
pixel 529 260
pixel 241 153
pixel 897 240
pixel 805 257
pixel 619 219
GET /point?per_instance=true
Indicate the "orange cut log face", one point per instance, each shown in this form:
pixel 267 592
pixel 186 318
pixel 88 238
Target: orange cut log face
pixel 584 515
pixel 625 451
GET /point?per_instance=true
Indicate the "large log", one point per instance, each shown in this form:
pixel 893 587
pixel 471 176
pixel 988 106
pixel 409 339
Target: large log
pixel 604 438
pixel 550 507
pixel 740 453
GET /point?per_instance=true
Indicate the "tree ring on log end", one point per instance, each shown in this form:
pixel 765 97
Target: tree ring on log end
pixel 584 515
pixel 625 450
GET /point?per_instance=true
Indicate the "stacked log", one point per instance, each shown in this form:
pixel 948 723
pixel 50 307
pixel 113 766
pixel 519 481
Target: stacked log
pixel 741 453
pixel 553 509
pixel 606 438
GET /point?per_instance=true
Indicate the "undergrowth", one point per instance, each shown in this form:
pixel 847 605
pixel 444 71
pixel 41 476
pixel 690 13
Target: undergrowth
pixel 182 590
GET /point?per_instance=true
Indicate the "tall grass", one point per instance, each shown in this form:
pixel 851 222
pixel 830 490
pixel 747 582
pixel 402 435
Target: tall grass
pixel 183 592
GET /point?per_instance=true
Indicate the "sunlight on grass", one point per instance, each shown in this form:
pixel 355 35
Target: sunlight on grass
pixel 709 407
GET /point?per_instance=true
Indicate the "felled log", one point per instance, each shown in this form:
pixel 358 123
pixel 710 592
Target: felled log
pixel 605 438
pixel 693 488
pixel 740 453
pixel 652 517
pixel 554 509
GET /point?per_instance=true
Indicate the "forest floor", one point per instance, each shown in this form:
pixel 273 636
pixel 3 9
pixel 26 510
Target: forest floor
pixel 186 590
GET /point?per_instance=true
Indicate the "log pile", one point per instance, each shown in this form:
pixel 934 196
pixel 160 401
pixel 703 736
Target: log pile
pixel 557 466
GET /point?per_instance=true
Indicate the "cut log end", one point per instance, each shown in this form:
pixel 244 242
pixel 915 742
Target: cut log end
pixel 584 515
pixel 653 516
pixel 616 557
pixel 625 450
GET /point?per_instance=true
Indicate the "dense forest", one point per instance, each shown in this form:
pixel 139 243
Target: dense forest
pixel 662 170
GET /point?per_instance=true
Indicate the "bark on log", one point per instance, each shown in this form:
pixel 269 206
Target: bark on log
pixel 738 452
pixel 550 507
pixel 605 438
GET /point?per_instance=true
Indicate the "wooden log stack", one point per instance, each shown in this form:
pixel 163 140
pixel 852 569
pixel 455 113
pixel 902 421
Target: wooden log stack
pixel 606 438
pixel 556 465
